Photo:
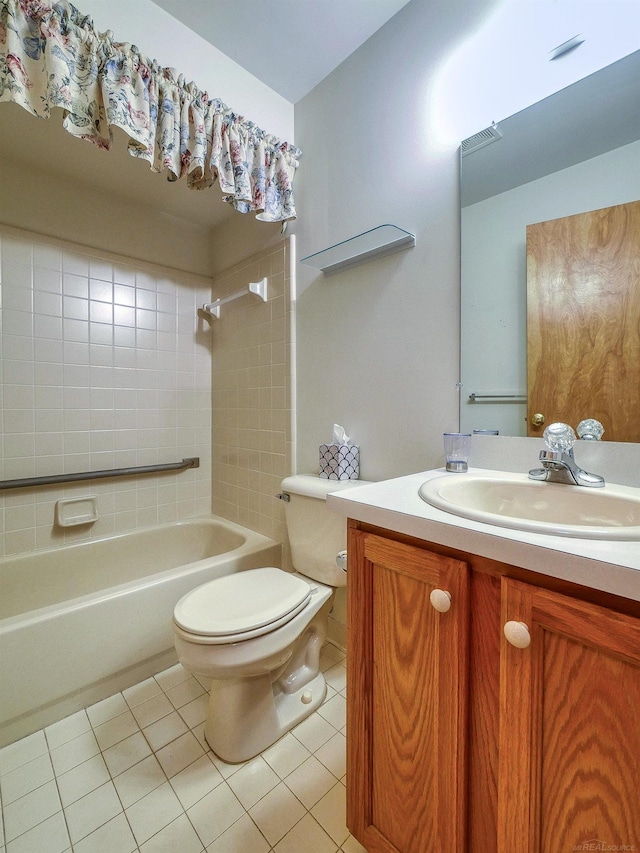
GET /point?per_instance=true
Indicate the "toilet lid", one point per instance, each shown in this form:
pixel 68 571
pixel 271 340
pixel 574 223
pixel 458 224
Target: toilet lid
pixel 241 602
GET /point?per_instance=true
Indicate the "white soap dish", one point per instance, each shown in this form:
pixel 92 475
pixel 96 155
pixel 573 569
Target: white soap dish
pixel 76 511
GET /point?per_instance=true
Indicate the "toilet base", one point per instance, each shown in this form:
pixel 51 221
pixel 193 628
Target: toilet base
pixel 246 716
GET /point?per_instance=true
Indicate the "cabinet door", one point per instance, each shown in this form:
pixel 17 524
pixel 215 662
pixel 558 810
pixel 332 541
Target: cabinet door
pixel 406 706
pixel 569 766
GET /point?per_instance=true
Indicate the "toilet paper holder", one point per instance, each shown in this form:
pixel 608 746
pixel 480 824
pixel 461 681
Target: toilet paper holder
pixel 341 560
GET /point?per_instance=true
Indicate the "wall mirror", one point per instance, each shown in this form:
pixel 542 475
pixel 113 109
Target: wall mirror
pixel 574 152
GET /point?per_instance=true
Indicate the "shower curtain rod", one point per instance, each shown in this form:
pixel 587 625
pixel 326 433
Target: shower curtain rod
pixel 26 482
pixel 212 309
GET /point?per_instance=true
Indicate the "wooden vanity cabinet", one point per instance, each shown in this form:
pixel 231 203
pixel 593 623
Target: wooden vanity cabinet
pixel 458 740
pixel 407 671
pixel 569 757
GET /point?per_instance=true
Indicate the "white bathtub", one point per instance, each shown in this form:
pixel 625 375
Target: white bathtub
pixel 80 623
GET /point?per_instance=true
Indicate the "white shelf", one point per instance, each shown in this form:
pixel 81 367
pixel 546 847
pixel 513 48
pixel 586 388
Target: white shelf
pixel 383 240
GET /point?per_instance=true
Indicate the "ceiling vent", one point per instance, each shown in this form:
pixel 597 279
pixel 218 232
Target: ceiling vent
pixel 480 139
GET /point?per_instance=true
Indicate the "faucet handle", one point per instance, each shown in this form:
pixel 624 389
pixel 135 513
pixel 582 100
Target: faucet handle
pixel 559 437
pixel 590 430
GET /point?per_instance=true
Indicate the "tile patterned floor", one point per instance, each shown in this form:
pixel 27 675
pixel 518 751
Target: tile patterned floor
pixel 134 773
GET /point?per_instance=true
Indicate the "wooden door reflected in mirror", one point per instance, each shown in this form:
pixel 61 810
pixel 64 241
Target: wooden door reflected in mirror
pixel 583 321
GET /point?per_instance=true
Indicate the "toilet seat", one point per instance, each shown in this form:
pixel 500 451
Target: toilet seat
pixel 240 606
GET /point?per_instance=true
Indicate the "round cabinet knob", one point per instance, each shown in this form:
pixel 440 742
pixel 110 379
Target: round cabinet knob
pixel 517 633
pixel 537 419
pixel 441 600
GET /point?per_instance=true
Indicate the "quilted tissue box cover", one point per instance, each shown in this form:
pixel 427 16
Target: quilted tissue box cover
pixel 339 461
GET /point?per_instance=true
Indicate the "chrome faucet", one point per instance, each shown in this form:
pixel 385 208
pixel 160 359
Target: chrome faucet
pixel 558 464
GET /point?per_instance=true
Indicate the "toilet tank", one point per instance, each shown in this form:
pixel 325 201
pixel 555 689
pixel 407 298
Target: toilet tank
pixel 316 533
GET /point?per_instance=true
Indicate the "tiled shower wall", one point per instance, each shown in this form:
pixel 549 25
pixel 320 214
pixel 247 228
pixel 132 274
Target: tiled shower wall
pixel 105 364
pixel 253 383
pixel 252 432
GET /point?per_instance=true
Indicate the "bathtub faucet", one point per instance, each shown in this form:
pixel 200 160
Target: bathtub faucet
pixel 558 463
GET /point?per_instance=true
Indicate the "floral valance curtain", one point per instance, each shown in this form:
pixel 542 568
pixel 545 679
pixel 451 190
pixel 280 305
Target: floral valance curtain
pixel 52 56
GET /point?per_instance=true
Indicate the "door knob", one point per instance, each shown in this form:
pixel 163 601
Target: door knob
pixel 441 600
pixel 517 633
pixel 537 419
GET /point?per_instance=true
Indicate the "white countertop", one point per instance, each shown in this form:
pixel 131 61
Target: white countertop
pixel 395 505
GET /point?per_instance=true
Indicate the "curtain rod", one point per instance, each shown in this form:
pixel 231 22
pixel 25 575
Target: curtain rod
pixel 26 482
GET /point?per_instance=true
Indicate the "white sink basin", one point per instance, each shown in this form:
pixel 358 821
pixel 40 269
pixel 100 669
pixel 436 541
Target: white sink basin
pixel 512 500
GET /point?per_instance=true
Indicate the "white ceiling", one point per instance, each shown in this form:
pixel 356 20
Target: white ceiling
pixel 291 45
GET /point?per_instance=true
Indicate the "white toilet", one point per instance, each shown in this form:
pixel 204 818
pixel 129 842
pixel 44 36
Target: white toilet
pixel 258 633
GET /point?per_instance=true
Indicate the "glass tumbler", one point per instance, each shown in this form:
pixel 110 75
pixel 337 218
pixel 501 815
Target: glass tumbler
pixel 456 451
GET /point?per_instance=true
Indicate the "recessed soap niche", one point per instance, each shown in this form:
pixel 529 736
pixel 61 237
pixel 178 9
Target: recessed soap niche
pixel 74 512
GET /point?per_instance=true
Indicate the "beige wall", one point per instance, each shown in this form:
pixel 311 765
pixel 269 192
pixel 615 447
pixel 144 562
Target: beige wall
pixel 378 343
pixel 37 200
pixel 104 364
pixel 241 237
